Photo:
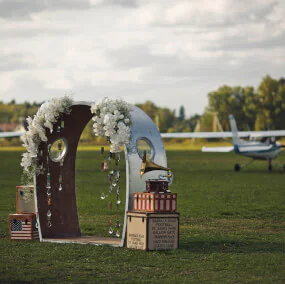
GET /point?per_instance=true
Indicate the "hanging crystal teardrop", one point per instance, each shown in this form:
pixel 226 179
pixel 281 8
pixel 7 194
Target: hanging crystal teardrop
pixel 118 234
pixel 49 224
pixel 60 181
pixel 111 231
pixel 49 192
pixel 48 181
pixel 118 225
pixel 49 214
pixel 103 196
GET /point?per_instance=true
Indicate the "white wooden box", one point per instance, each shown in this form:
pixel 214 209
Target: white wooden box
pixel 25 202
pixel 152 231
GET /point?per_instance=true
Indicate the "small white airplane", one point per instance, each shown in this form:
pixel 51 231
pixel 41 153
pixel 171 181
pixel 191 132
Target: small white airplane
pixel 264 149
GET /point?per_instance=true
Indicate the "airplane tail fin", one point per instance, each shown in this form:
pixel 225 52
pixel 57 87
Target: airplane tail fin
pixel 233 124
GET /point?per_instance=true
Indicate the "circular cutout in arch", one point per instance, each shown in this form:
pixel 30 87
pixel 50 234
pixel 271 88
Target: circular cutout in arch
pixel 58 150
pixel 144 144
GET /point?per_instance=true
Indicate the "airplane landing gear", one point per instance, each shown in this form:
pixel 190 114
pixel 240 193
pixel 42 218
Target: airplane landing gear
pixel 269 165
pixel 237 167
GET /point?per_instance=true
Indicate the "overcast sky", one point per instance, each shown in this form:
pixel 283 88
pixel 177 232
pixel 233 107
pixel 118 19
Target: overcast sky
pixel 170 52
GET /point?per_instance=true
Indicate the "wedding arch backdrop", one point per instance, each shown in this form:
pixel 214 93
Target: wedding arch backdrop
pixel 61 172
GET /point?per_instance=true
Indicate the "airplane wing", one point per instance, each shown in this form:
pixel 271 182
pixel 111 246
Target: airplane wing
pixel 197 135
pixel 10 134
pixel 243 149
pixel 269 133
pixel 218 149
pixel 228 134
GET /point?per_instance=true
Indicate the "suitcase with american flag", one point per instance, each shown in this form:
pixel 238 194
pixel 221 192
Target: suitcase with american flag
pixel 23 227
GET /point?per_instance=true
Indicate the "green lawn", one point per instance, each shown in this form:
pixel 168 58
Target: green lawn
pixel 232 227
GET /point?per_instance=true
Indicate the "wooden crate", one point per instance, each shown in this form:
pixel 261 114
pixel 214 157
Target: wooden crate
pixel 155 202
pixel 23 227
pixel 152 231
pixel 25 202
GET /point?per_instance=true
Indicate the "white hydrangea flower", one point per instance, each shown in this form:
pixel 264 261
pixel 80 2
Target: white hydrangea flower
pixel 45 117
pixel 112 117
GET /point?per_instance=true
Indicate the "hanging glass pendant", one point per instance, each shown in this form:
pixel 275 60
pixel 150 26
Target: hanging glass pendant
pixel 103 196
pixel 118 174
pixel 118 234
pixel 60 181
pixel 49 218
pixel 102 150
pixel 111 189
pixel 110 228
pixel 111 231
pixel 118 225
pixel 58 129
pixel 117 159
pixel 111 205
pixel 37 225
pixel 48 181
pixel 118 201
pixel 118 190
pixel 109 178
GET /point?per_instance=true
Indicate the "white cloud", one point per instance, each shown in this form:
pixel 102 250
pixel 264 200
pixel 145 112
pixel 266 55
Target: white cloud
pixel 170 52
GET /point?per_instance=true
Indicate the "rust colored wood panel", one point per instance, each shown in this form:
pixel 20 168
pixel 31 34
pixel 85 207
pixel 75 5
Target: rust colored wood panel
pixel 63 208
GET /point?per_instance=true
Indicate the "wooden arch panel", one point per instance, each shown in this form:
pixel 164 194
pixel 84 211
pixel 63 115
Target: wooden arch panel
pixel 63 207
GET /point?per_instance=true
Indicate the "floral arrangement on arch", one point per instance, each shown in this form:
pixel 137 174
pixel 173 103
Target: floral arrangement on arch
pixel 44 119
pixel 112 119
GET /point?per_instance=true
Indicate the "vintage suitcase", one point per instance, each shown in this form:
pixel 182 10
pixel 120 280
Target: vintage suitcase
pixel 152 231
pixel 25 202
pixel 23 226
pixel 155 202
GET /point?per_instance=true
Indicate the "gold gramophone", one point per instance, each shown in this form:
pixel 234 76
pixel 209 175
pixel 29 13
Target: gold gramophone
pixel 158 185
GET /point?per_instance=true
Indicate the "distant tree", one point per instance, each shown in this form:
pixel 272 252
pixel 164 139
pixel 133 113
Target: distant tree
pixel 181 116
pixel 193 120
pixel 150 108
pixel 272 97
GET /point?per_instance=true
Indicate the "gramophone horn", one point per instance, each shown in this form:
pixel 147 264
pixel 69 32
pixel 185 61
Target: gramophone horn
pixel 148 166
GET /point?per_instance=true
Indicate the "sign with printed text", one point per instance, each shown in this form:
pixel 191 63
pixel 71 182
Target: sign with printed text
pixel 163 233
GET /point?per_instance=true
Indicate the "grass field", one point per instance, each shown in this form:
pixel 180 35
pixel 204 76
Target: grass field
pixel 232 227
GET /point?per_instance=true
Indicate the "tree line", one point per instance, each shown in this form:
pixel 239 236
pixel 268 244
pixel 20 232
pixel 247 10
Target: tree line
pixel 254 109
